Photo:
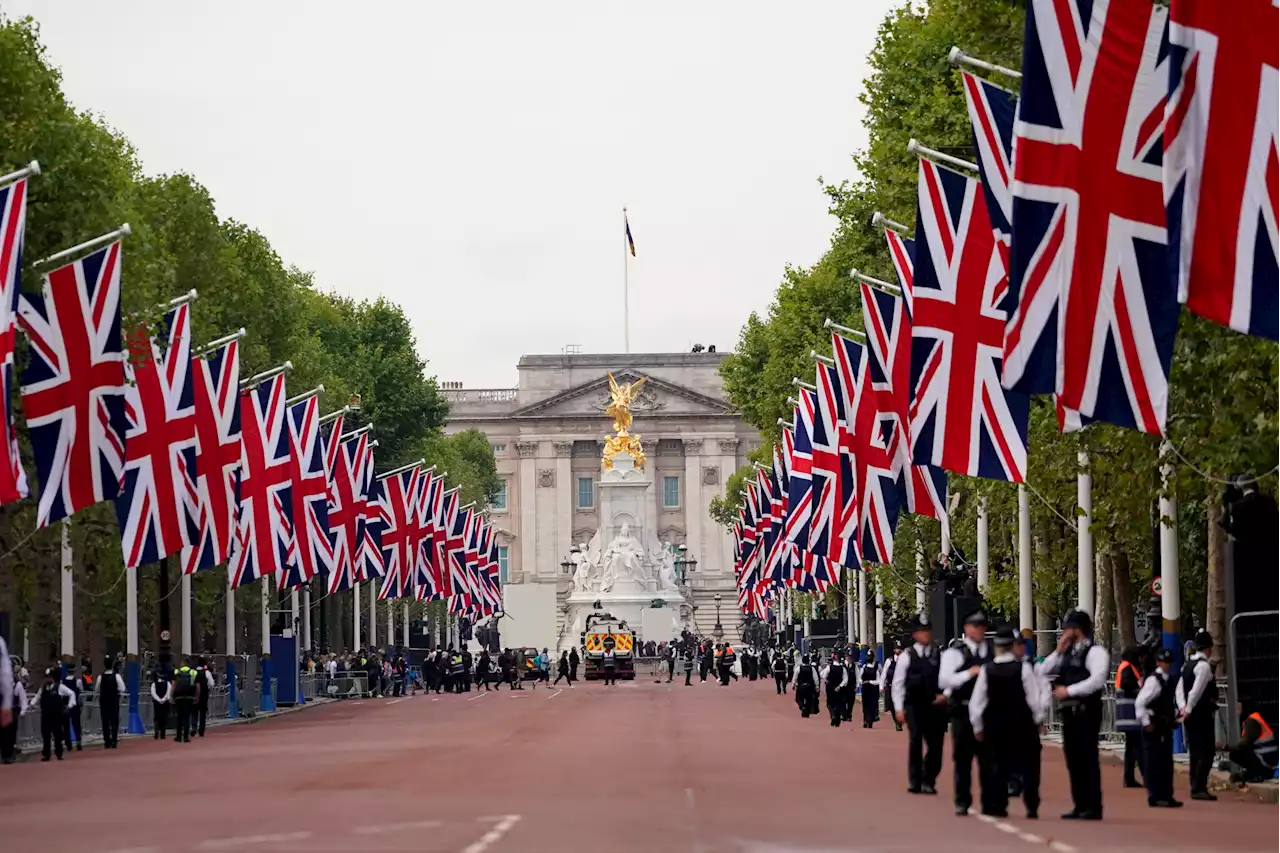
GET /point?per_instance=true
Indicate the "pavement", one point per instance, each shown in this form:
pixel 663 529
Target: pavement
pixel 644 767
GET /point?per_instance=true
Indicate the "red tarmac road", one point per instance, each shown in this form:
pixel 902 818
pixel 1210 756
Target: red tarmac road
pixel 641 767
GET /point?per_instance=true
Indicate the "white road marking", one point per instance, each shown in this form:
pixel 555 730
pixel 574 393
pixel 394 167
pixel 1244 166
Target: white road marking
pixel 394 701
pixel 554 695
pixel 477 696
pixel 1030 838
pixel 379 828
pixel 1007 827
pixel 137 850
pixel 501 828
pixel 248 840
pixel 1061 847
pixel 986 818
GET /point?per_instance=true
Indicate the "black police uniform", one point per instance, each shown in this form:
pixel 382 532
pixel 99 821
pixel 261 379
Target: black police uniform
pixel 926 721
pixel 205 680
pixel 74 732
pixel 1199 726
pixel 780 674
pixel 870 694
pixel 53 714
pixel 109 708
pixel 1081 722
pixel 1012 739
pixel 184 700
pixel 835 691
pixel 1157 741
pixel 964 746
pixel 807 689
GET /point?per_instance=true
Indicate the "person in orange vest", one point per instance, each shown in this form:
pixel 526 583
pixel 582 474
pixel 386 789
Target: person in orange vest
pixel 1255 754
pixel 1128 683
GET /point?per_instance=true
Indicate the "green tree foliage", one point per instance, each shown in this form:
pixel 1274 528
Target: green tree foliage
pixel 91 183
pixel 1223 397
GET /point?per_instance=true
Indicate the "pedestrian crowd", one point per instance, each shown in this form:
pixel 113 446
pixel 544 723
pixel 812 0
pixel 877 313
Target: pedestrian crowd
pixel 994 698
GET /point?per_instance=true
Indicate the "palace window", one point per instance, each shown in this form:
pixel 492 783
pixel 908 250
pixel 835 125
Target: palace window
pixel 502 564
pixel 499 449
pixel 499 501
pixel 586 493
pixel 671 492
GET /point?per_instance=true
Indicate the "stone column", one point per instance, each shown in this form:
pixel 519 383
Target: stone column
pixel 695 509
pixel 528 499
pixel 564 486
pixel 652 508
pixel 720 551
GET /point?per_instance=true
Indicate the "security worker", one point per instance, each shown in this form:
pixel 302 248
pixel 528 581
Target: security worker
pixel 1008 701
pixel 457 672
pixel 609 664
pixel 1255 754
pixel 688 666
pixel 161 700
pixel 957 673
pixel 1157 713
pixel 805 683
pixel 74 731
pixel 204 678
pixel 780 673
pixel 836 679
pixel 1082 669
pixel 1128 683
pixel 56 699
pixel 186 692
pixel 886 685
pixel 1197 698
pixel 920 704
pixel 110 689
pixel 870 690
pixel 727 658
pixel 466 670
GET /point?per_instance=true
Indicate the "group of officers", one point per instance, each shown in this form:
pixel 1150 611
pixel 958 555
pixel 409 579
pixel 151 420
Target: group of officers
pixel 995 699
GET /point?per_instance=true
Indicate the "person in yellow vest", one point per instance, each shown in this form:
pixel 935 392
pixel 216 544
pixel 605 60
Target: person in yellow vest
pixel 186 693
pixel 1255 754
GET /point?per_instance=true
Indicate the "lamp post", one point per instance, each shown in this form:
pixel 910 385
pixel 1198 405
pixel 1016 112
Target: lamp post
pixel 567 564
pixel 718 631
pixel 685 566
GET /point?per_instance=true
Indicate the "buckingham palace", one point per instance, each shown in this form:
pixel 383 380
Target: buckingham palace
pixel 548 434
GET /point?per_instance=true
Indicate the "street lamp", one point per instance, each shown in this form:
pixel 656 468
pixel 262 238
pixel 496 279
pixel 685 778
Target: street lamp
pixel 685 565
pixel 567 564
pixel 718 631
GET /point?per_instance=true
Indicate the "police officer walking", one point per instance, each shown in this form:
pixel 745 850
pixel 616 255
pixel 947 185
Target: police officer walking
pixel 920 704
pixel 204 678
pixel 870 690
pixel 1007 704
pixel 805 683
pixel 110 689
pixel 186 692
pixel 836 679
pixel 688 666
pixel 957 674
pixel 1082 668
pixel 886 685
pixel 1197 697
pixel 55 700
pixel 780 673
pixel 1157 713
pixel 74 683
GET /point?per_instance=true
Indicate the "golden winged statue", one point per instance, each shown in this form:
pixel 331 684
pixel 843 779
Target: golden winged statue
pixel 621 398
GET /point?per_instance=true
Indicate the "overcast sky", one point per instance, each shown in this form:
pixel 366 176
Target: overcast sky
pixel 470 161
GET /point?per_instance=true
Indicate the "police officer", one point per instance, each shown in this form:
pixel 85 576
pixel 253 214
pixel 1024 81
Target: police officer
pixel 1197 698
pixel 920 704
pixel 1008 702
pixel 204 678
pixel 466 669
pixel 957 674
pixel 1156 708
pixel 161 700
pixel 688 666
pixel 870 690
pixel 457 672
pixel 74 731
pixel 186 692
pixel 886 684
pixel 1082 668
pixel 835 677
pixel 780 673
pixel 805 683
pixel 110 689
pixel 55 699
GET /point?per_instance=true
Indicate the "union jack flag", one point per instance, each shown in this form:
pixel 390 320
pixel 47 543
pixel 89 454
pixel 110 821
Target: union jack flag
pixel 370 564
pixel 216 378
pixel 961 418
pixel 158 505
pixel 348 508
pixel 448 506
pixel 495 576
pixel 870 444
pixel 73 386
pixel 430 566
pixel 312 551
pixel 13 224
pixel 1088 209
pixel 824 526
pixel 888 354
pixel 401 532
pixel 264 524
pixel 456 558
pixel 1220 161
pixel 777 559
pixel 800 491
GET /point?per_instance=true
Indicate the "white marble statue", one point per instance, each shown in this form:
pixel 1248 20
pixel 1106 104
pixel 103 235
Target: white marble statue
pixel 624 558
pixel 666 563
pixel 582 572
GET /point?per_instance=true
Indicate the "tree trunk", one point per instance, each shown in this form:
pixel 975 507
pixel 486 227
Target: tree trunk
pixel 1105 622
pixel 1215 584
pixel 1123 588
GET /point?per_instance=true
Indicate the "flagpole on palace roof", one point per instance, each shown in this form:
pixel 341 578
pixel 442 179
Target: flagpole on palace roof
pixel 626 297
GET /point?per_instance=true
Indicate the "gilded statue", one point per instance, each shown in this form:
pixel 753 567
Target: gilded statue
pixel 621 398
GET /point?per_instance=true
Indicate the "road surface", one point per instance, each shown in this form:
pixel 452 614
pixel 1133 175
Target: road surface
pixel 641 767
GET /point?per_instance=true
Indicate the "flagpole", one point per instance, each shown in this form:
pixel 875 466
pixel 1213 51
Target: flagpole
pixel 626 298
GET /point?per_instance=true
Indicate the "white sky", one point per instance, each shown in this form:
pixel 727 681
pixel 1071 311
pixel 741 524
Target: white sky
pixel 470 160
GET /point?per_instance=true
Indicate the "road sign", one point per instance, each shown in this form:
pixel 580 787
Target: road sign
pixel 1155 586
pixel 164 635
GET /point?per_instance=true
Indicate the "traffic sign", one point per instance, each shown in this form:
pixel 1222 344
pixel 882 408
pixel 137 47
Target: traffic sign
pixel 1155 586
pixel 164 635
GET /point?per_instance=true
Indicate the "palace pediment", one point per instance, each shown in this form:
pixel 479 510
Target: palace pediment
pixel 658 399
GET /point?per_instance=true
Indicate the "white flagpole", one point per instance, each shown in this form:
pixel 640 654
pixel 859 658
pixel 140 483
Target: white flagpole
pixel 984 546
pixel 391 623
pixel 922 603
pixel 305 642
pixel 1084 536
pixel 406 624
pixel 626 296
pixel 185 592
pixel 68 598
pixel 1026 619
pixel 373 614
pixel 355 611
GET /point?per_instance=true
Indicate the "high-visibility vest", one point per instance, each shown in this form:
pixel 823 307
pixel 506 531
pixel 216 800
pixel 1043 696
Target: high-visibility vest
pixel 1265 746
pixel 1120 672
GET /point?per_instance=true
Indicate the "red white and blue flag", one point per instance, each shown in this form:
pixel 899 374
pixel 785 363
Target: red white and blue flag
pixel 216 380
pixel 962 419
pixel 73 387
pixel 370 564
pixel 778 558
pixel 348 508
pixel 1221 177
pixel 401 532
pixel 828 496
pixel 427 570
pixel 456 559
pixel 264 524
pixel 1088 211
pixel 800 491
pixel 312 552
pixel 13 224
pixel 158 505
